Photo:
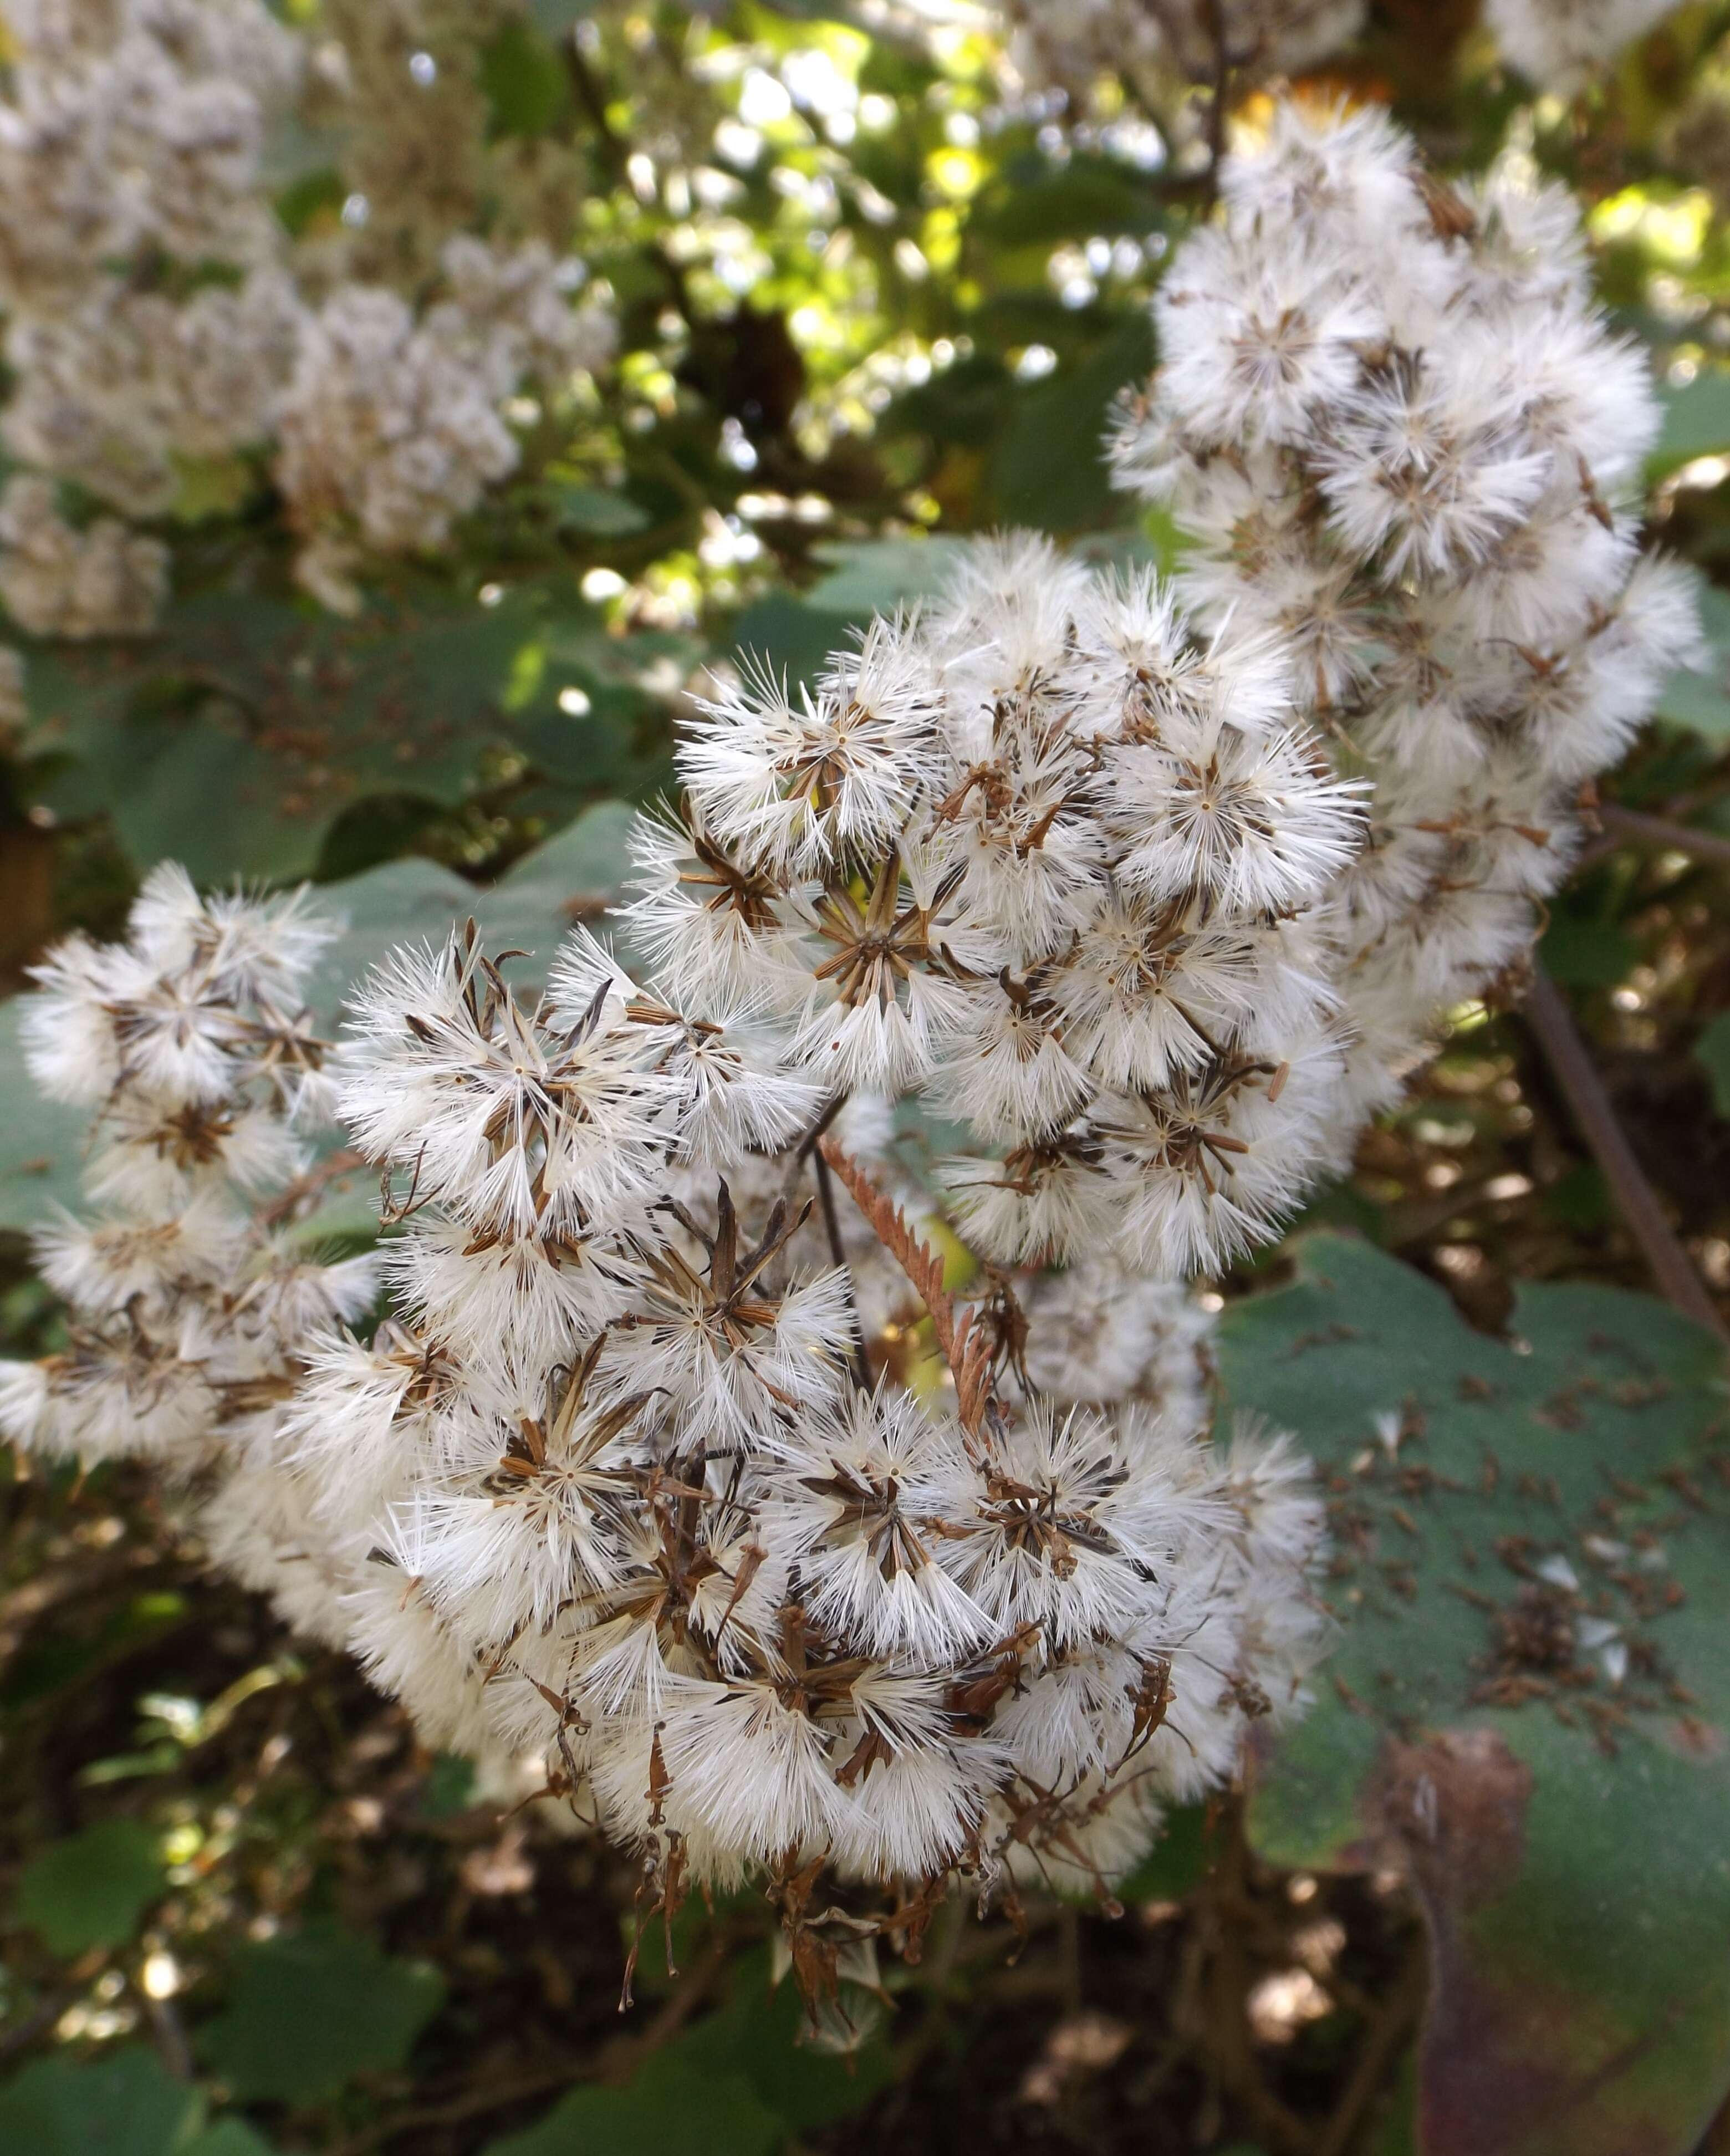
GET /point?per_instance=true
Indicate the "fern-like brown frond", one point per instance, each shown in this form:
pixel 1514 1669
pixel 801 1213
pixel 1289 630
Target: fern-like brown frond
pixel 966 1346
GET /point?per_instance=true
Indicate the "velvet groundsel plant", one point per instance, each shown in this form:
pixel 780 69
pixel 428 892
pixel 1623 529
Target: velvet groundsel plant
pixel 683 1459
pixel 780 1404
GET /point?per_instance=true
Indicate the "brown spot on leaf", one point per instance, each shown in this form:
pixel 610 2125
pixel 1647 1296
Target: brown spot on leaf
pixel 1690 1739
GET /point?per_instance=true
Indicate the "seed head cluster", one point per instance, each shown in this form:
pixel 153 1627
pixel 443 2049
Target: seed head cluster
pixel 778 1402
pixel 681 1458
pixel 1407 448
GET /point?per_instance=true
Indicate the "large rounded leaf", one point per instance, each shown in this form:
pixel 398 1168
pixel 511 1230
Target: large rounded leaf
pixel 1528 1709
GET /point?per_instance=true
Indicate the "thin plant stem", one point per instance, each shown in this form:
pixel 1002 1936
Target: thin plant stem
pixel 1552 1025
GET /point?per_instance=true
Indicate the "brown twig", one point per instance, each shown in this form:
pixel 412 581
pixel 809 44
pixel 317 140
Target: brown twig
pixel 1642 828
pixel 966 1348
pixel 832 1228
pixel 287 1202
pixel 1548 1015
pixel 1400 2010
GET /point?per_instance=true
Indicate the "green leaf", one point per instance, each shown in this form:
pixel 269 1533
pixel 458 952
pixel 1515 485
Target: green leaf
pixel 91 1891
pixel 1711 1051
pixel 449 1787
pixel 791 639
pixel 521 80
pixel 875 576
pixel 41 1141
pixel 1175 1864
pixel 604 516
pixel 1037 204
pixel 314 195
pixel 229 2136
pixel 1561 1816
pixel 1699 697
pixel 1587 954
pixel 1696 422
pixel 737 2084
pixel 308 2012
pixel 126 2104
pixel 671 2107
pixel 283 716
pixel 1050 470
pixel 557 16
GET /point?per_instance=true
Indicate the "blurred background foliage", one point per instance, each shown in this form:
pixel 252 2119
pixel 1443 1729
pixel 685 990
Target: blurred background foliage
pixel 866 307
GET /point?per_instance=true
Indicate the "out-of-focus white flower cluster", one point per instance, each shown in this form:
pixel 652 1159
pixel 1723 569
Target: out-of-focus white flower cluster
pixel 1408 449
pixel 1167 49
pixel 678 1461
pixel 1557 43
pixel 157 317
pixel 391 424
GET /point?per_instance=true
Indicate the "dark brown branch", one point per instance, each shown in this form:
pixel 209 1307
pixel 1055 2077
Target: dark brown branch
pixel 1552 1025
pixel 1637 826
pixel 967 1348
pixel 1386 2033
pixel 832 1227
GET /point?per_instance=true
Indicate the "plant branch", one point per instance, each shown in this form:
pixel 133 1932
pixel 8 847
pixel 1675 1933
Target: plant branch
pixel 1637 826
pixel 1548 1015
pixel 1400 2010
pixel 287 1202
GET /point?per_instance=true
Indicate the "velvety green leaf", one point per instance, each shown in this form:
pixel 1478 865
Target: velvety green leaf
pixel 124 2104
pixel 233 739
pixel 309 2011
pixel 522 80
pixel 229 2136
pixel 41 1142
pixel 1711 1050
pixel 1529 1706
pixel 1049 471
pixel 875 576
pixel 739 2083
pixel 1587 954
pixel 605 515
pixel 1697 421
pixel 1699 697
pixel 91 1889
